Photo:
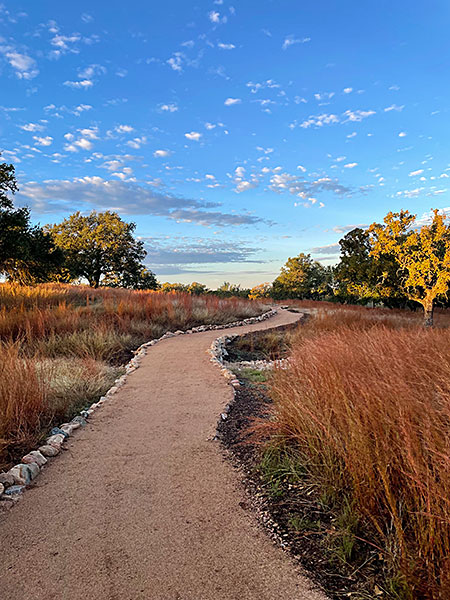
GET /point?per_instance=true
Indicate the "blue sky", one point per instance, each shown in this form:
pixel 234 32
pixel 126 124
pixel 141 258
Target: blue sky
pixel 235 134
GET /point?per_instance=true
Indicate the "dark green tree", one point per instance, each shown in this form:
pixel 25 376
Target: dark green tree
pixel 8 183
pixel 362 277
pixel 27 254
pixel 302 278
pixel 100 247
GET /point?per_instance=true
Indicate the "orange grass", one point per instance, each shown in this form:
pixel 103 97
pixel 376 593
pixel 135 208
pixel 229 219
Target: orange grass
pixel 53 338
pixel 366 403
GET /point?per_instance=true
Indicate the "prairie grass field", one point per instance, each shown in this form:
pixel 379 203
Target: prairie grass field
pixel 62 346
pixel 364 412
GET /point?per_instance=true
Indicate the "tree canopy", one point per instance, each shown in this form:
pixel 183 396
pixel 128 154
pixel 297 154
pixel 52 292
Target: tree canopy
pixel 302 277
pixel 100 247
pixel 8 183
pixel 422 255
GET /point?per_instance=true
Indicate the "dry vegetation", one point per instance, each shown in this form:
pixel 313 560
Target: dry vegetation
pixel 365 405
pixel 62 346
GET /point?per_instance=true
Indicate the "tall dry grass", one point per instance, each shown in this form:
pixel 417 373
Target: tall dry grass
pixel 366 405
pixel 56 338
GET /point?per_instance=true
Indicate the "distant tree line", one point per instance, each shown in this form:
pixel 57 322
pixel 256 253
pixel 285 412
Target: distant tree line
pixel 397 264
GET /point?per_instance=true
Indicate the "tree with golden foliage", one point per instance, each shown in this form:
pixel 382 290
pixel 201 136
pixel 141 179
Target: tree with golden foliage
pixel 422 255
pixel 263 290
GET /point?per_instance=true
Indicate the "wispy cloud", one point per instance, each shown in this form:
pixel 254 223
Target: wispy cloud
pixel 169 107
pixel 231 101
pixel 290 40
pixel 86 193
pixel 84 84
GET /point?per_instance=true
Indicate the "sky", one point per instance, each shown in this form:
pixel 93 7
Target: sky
pixel 233 133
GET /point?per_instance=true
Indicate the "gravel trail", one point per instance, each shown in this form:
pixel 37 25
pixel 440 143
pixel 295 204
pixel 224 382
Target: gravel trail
pixel 142 505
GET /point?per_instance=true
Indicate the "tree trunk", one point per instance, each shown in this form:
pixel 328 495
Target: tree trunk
pixel 428 309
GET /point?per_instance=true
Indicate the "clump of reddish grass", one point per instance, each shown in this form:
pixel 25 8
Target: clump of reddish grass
pixel 23 400
pixel 368 412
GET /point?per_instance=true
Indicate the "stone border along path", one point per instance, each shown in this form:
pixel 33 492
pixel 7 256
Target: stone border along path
pixel 143 505
pixel 13 482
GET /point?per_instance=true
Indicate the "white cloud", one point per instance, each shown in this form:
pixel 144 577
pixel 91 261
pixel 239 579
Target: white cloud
pixel 193 135
pixel 83 84
pixel 324 96
pixel 231 101
pixel 394 107
pixel 348 90
pixel 124 129
pixel 137 142
pixel 43 141
pixel 169 107
pixel 90 71
pixel 90 133
pixel 290 40
pixel 87 18
pixel 351 165
pixel 161 153
pixel 226 46
pixel 357 115
pixel 414 173
pixel 402 134
pixel 319 120
pixel 32 127
pixel 24 66
pixel 84 144
pixel 176 61
pixel 352 135
pixel 215 17
pixel 243 186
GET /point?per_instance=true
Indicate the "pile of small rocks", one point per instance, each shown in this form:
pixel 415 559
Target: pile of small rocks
pixel 261 365
pixel 14 482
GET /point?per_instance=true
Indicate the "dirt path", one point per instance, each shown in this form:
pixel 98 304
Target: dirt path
pixel 142 505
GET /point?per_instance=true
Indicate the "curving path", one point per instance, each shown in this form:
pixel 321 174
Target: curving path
pixel 142 505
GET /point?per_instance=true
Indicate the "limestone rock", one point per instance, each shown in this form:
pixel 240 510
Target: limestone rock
pixel 59 431
pixel 6 479
pixel 14 490
pixel 34 457
pixel 48 450
pixel 34 470
pixel 21 474
pixel 56 440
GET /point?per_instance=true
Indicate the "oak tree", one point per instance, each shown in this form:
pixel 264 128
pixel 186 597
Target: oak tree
pixel 421 253
pixel 100 247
